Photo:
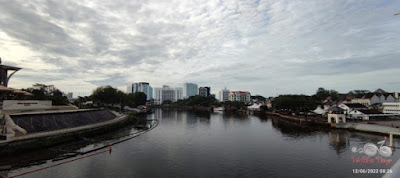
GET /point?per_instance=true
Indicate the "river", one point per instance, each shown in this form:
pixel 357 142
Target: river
pixel 202 144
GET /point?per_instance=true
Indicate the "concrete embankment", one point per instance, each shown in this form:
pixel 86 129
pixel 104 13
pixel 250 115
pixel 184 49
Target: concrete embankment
pixel 42 139
pixel 310 120
pixel 367 128
pixel 370 128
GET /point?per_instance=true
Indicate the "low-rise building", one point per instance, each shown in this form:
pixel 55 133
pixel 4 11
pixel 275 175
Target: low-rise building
pixel 366 114
pixel 391 107
pixel 243 96
pixel 348 107
pixel 372 98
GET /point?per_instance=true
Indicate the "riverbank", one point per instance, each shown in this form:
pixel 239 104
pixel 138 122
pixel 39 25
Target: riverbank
pixel 361 127
pixel 51 138
pixel 196 108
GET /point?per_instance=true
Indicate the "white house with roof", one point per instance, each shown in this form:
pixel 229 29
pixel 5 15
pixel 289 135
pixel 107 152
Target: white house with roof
pixel 371 98
pixel 348 107
pixel 365 114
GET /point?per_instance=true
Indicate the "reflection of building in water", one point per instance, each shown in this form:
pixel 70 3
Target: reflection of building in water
pixel 339 140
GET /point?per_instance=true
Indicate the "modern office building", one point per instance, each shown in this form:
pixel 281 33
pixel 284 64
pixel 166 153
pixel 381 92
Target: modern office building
pixel 167 93
pixel 204 91
pixel 190 89
pixel 243 96
pixel 224 95
pixel 141 87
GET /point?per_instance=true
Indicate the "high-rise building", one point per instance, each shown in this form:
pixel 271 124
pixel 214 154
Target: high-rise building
pixel 243 96
pixel 224 95
pixel 204 91
pixel 141 87
pixel 190 89
pixel 167 93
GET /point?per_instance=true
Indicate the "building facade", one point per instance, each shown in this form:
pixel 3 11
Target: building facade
pixel 243 96
pixel 204 91
pixel 224 95
pixel 167 93
pixel 391 107
pixel 190 89
pixel 371 98
pixel 141 87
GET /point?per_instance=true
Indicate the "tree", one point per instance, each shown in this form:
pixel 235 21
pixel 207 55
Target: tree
pixel 198 101
pixel 258 98
pixel 323 94
pixel 139 98
pixel 235 105
pixel 294 103
pixel 108 95
pixel 166 102
pixel 57 97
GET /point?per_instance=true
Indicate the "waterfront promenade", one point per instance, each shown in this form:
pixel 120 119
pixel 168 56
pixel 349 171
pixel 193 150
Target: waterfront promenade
pixel 371 126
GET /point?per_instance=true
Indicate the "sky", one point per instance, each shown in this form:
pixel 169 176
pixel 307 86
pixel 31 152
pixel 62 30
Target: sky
pixel 266 47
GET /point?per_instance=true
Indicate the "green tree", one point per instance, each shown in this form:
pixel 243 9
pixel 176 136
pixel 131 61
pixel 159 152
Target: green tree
pixel 107 94
pixel 294 103
pixel 323 94
pixel 198 101
pixel 57 97
pixel 139 98
pixel 166 102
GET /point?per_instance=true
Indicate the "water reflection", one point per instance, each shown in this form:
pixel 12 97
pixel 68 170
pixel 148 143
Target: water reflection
pixel 339 140
pixel 83 143
pixel 292 129
pixel 202 144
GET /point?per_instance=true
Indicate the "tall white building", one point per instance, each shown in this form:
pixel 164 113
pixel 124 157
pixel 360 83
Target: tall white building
pixel 167 93
pixel 190 89
pixel 141 87
pixel 224 95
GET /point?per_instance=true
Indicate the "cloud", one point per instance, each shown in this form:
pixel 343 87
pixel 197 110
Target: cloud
pixel 258 45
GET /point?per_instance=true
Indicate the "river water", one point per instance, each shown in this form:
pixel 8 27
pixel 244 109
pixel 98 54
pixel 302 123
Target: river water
pixel 202 144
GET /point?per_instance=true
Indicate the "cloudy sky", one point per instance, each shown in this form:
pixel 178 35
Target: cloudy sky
pixel 266 47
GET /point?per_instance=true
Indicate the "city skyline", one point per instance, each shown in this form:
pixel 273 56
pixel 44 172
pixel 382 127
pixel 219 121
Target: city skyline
pixel 267 48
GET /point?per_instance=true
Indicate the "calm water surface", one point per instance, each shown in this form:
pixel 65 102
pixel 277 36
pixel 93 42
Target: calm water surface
pixel 198 144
